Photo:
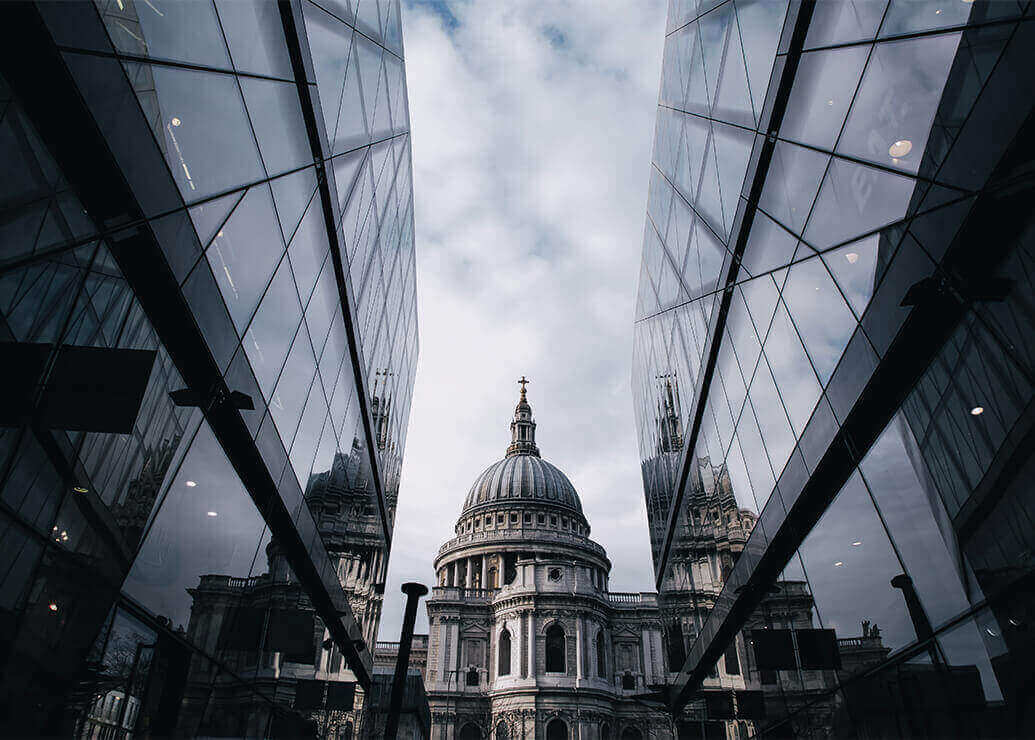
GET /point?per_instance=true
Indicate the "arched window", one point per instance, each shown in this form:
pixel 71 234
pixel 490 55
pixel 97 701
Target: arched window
pixel 628 682
pixel 470 731
pixel 501 731
pixel 504 667
pixel 601 655
pixel 557 730
pixel 555 649
pixel 472 676
pixel 631 733
pixel 605 731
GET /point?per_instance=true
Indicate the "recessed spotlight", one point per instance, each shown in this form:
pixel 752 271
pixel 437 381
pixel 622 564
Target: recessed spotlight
pixel 80 489
pixel 53 607
pixel 838 564
pixel 856 543
pixel 938 12
pixel 991 632
pixel 900 148
pixel 830 102
pixel 852 257
pixel 176 121
pixel 219 233
pixel 190 484
pixel 977 411
pixel 212 513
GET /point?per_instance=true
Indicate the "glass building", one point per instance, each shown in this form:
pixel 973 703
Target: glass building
pixel 833 370
pixel 208 330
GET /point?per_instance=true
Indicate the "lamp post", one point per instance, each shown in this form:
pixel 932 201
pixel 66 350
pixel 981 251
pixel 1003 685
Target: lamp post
pixel 413 593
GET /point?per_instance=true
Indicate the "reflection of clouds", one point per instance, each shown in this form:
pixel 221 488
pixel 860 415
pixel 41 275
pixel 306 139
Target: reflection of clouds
pixel 860 588
pixel 907 509
pixel 820 314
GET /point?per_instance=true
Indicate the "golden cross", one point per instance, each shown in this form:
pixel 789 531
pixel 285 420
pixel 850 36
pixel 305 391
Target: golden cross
pixel 523 382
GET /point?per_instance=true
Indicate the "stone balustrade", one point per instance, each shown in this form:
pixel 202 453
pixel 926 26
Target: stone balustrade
pixel 538 535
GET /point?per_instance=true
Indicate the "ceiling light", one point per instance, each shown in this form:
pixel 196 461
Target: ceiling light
pixel 852 257
pixel 80 489
pixel 977 411
pixel 176 121
pixel 838 564
pixel 190 484
pixel 212 513
pixel 856 543
pixel 53 607
pixel 219 233
pixel 991 632
pixel 830 102
pixel 938 12
pixel 900 148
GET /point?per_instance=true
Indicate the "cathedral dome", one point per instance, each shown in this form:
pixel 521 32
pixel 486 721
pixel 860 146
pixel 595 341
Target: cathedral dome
pixel 523 474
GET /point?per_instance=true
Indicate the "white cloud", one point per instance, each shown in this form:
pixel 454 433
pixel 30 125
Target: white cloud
pixel 532 125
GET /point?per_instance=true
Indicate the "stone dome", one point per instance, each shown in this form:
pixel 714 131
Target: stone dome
pixel 523 476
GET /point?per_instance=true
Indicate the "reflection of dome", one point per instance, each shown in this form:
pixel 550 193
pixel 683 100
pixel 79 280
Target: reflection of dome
pixel 523 476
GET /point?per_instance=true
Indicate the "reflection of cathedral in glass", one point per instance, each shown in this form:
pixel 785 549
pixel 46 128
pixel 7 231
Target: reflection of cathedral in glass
pixel 266 625
pixel 209 329
pixel 835 316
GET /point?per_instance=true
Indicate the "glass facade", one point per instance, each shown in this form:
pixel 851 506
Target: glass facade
pixel 832 367
pixel 209 328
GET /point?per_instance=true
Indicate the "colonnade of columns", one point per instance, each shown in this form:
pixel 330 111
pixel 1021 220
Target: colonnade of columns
pixel 475 571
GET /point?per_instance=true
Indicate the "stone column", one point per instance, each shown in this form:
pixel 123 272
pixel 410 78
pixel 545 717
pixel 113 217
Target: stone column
pixel 518 644
pixel 485 571
pixel 648 664
pixel 580 648
pixel 467 572
pixel 531 644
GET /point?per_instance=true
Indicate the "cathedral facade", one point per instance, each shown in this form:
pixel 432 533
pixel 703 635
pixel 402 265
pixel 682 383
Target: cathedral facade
pixel 526 639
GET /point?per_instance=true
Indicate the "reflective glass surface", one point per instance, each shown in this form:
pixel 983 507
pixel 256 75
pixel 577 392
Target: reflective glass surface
pixel 786 373
pixel 193 557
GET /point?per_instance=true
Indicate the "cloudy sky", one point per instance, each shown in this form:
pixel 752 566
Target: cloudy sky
pixel 532 126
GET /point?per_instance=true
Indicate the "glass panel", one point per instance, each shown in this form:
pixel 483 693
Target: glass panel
pixel 908 16
pixel 732 150
pixel 768 246
pixel 849 563
pixel 255 33
pixel 909 504
pixel 186 31
pixel 820 314
pixel 206 524
pixel 209 217
pixel 822 92
pixel 202 128
pixel 854 267
pixel 292 389
pixel 308 249
pixel 895 106
pixel 329 42
pixel 277 119
pixel 844 21
pixel 760 23
pixel 855 200
pixel 271 331
pixel 245 252
pixel 792 183
pixel 292 194
pixel 794 376
pixel 734 100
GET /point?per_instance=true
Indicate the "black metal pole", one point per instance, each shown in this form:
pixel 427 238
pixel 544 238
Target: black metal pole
pixel 413 593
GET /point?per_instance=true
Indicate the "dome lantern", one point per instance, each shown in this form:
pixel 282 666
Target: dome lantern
pixel 522 428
